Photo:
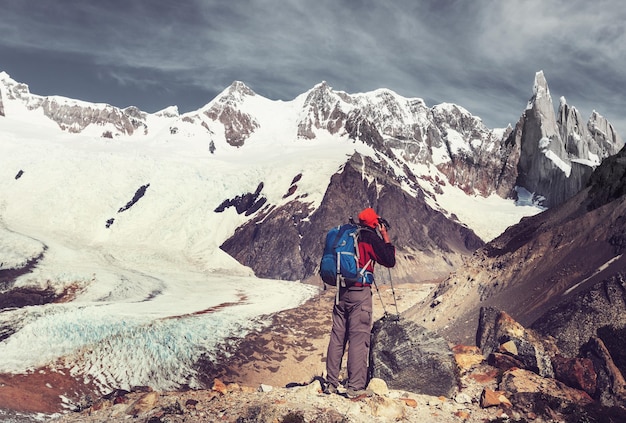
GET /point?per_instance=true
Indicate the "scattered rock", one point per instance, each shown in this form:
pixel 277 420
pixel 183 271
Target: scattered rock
pixel 579 373
pixel 520 382
pixel 503 361
pixel 463 398
pixel 265 388
pixel 378 386
pixel 143 404
pixel 219 386
pixel 491 398
pixel 467 356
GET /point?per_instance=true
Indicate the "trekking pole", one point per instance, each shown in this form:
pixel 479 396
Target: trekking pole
pixel 381 298
pixel 393 292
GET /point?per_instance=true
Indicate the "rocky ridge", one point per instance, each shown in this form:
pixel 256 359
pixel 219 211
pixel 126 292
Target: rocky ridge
pixel 471 156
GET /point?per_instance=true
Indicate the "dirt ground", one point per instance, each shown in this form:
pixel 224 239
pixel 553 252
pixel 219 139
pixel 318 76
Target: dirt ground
pixel 292 350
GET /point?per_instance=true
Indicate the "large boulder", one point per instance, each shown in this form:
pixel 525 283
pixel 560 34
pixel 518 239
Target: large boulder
pixel 409 357
pixel 499 333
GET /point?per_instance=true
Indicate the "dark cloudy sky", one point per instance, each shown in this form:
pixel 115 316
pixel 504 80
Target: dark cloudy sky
pixel 480 54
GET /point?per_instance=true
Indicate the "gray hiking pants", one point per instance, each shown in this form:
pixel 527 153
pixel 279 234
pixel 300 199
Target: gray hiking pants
pixel 352 325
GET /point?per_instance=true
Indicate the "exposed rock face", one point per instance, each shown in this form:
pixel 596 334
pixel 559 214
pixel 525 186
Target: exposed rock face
pixel 579 373
pixel 76 117
pixel 610 382
pixel 558 156
pixel 479 166
pixel 322 110
pixel 572 323
pixel 248 203
pixel 533 393
pixel 289 243
pixel 72 115
pixel 275 248
pixel 238 126
pixel 141 191
pixel 409 357
pixel 608 182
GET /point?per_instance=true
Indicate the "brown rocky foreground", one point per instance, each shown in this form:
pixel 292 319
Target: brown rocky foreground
pixel 274 376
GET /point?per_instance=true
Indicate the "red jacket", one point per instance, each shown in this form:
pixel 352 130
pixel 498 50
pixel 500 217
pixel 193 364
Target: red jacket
pixel 372 247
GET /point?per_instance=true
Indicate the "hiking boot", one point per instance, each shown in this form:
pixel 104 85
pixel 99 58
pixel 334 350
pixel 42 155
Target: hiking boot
pixel 330 389
pixel 358 393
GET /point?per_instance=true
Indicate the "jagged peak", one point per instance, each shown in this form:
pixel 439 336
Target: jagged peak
pixel 170 111
pixel 240 88
pixel 565 108
pixel 9 82
pixel 323 92
pixel 541 92
pixel 233 94
pixel 322 86
pixel 595 115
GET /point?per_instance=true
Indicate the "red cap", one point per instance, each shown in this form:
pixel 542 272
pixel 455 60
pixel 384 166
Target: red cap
pixel 368 217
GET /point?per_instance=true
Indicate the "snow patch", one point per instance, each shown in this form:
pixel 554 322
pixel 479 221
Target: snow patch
pixel 544 147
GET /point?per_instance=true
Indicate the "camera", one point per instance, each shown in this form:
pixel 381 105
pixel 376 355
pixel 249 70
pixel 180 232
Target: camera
pixel 384 222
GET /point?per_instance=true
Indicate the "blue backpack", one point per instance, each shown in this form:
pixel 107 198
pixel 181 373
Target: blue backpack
pixel 340 262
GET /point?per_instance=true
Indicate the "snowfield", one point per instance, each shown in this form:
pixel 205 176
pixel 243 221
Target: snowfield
pixel 152 292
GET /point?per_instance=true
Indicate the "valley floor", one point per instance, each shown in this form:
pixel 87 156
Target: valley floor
pixel 291 351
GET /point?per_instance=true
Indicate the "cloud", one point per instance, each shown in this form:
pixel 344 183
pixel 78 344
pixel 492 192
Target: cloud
pixel 481 54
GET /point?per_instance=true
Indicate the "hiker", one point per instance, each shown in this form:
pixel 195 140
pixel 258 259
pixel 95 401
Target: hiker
pixel 352 312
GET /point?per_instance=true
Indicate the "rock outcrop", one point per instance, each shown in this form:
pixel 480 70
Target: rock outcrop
pixel 238 125
pixel 288 243
pixel 73 115
pixel 499 333
pixel 590 373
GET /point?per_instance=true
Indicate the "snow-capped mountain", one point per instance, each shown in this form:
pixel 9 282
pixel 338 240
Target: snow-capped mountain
pixel 557 155
pixel 115 224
